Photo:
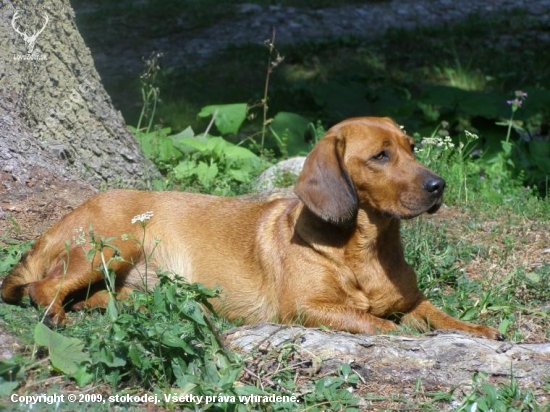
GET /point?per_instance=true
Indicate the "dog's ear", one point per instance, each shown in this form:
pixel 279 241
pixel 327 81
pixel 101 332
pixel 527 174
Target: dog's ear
pixel 324 185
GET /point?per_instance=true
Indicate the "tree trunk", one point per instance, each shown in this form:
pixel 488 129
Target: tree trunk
pixel 395 366
pixel 55 116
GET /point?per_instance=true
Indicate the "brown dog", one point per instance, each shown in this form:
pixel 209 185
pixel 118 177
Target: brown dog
pixel 331 257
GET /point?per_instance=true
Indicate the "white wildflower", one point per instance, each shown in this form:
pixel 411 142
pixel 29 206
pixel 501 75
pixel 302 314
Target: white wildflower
pixel 125 237
pixel 442 143
pixel 470 135
pixel 429 141
pixel 142 218
pixel 448 142
pixel 80 237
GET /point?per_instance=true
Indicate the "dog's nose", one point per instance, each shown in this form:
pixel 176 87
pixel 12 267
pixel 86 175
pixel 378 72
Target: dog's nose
pixel 434 185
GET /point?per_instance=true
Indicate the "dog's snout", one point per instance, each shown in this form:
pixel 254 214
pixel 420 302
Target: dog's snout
pixel 434 185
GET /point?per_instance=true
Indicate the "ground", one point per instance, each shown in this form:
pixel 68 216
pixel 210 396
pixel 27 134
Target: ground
pixel 38 209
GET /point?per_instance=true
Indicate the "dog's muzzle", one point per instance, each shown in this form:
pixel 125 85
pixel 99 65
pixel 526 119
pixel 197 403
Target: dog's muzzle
pixel 435 187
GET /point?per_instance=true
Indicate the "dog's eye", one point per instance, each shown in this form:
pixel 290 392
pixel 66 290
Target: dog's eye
pixel 383 155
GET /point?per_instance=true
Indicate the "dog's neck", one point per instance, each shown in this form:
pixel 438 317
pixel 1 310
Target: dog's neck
pixel 368 233
pixel 375 250
pixel 372 224
pixel 319 233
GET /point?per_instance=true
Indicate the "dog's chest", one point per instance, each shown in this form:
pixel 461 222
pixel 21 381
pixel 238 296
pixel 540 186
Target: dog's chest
pixel 385 291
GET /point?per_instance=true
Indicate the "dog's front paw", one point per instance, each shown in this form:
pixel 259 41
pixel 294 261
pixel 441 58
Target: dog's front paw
pixel 490 333
pixel 55 320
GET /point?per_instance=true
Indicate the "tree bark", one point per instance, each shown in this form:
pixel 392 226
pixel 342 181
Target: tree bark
pixel 55 116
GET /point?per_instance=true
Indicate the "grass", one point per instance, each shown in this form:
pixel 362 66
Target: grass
pixel 483 257
pixel 469 264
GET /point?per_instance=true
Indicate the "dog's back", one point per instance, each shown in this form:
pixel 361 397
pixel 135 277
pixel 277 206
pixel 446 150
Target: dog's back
pixel 182 235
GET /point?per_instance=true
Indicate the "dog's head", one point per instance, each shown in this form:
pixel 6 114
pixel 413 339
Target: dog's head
pixel 367 163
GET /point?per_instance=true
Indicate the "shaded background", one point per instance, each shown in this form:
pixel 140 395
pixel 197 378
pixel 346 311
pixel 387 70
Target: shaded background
pixel 420 62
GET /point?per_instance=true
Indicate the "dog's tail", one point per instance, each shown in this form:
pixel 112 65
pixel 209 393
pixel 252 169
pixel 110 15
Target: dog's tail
pixel 15 285
pixel 31 268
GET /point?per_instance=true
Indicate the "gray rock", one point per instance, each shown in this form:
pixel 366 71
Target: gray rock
pixel 285 170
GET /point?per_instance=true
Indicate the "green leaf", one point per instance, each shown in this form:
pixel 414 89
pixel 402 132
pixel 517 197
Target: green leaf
pixel 109 358
pixel 248 390
pixel 82 376
pixel 158 146
pixel 506 146
pixel 229 117
pixel 291 132
pixel 233 152
pixel 112 310
pixel 345 370
pixel 185 168
pixel 186 133
pixel 192 144
pixel 66 354
pixel 469 314
pixel 173 341
pixel 194 312
pixel 7 387
pixel 533 277
pixel 206 173
pixel 227 380
pixel 504 325
pixel 171 295
pixel 239 175
pixel 135 356
pixel 10 375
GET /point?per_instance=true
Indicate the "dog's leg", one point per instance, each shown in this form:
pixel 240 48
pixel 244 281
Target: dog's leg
pixel 100 298
pixel 346 318
pixel 427 313
pixel 75 274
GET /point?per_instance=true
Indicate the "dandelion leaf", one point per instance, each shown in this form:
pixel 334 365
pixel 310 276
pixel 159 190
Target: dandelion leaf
pixel 66 354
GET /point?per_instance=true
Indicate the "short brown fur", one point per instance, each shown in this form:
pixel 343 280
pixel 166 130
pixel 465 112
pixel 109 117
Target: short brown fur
pixel 333 256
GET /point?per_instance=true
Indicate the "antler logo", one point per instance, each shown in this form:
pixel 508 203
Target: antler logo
pixel 30 40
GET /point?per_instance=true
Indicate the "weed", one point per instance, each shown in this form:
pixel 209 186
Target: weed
pixel 485 397
pixel 207 163
pixel 470 172
pixel 11 250
pixel 453 161
pixel 515 104
pixel 149 92
pixel 288 369
pixel 275 59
